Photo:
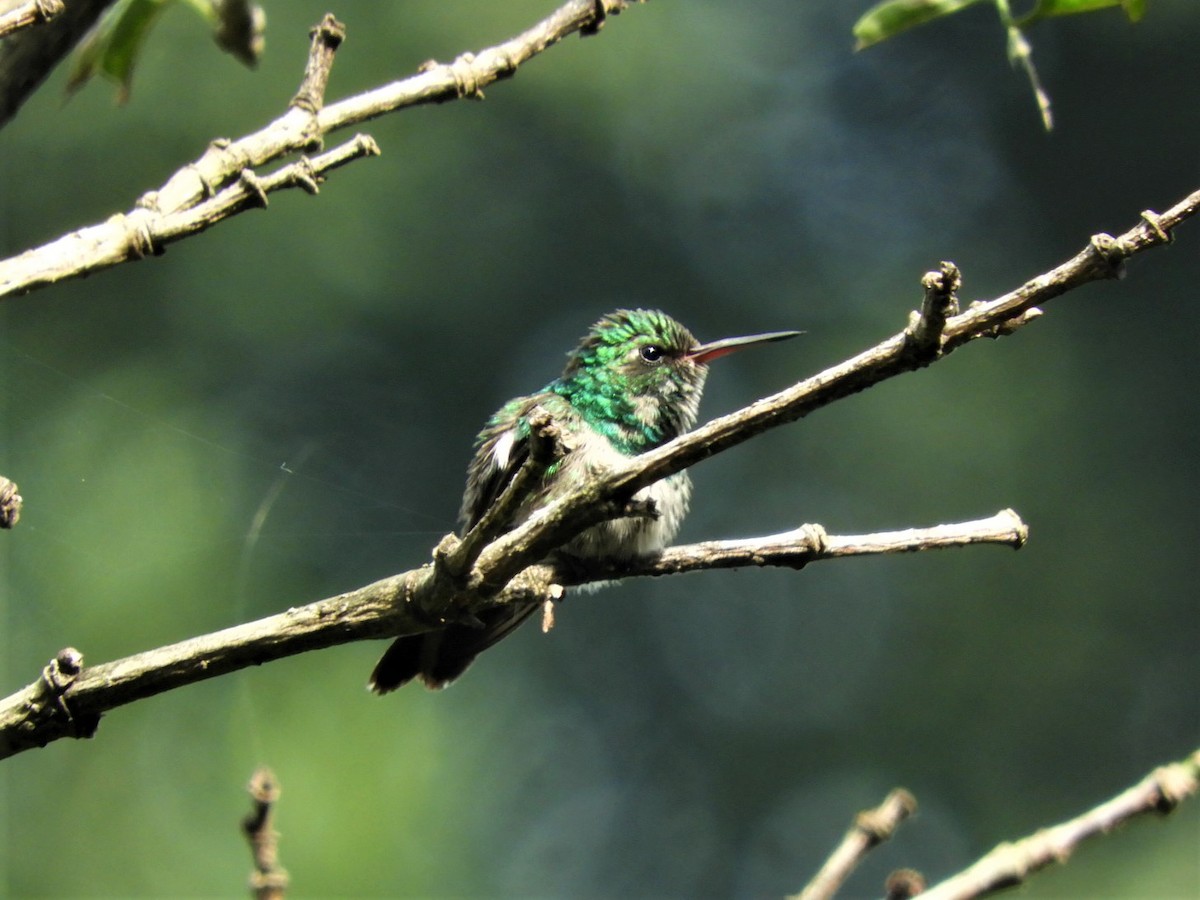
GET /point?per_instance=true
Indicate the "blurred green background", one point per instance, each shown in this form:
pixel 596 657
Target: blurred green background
pixel 710 735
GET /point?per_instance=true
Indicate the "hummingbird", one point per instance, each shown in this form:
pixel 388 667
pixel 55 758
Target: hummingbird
pixel 633 383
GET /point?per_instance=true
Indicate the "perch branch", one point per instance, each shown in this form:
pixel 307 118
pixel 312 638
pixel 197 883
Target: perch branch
pixel 505 570
pixel 1009 864
pixel 871 827
pixel 401 605
pixel 68 699
pixel 608 495
pixel 156 218
pixel 32 12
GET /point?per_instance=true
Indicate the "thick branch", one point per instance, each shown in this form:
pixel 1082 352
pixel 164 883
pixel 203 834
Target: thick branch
pixel 28 56
pixel 1159 792
pixel 32 12
pixel 68 699
pixel 153 223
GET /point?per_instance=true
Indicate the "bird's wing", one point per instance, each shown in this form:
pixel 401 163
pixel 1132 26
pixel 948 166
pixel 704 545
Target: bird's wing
pixel 502 449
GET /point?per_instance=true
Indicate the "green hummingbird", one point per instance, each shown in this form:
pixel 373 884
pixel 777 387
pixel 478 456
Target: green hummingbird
pixel 632 384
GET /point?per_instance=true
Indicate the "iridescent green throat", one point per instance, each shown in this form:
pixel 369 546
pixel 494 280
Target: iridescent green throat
pixel 607 406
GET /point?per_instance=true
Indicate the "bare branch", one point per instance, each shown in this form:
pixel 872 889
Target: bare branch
pixel 797 548
pixel 32 12
pixel 145 232
pixel 1159 792
pixel 54 706
pixel 470 73
pixel 10 503
pixel 326 37
pixel 1010 863
pixel 43 711
pixel 156 219
pixel 925 328
pixel 871 827
pixel 269 880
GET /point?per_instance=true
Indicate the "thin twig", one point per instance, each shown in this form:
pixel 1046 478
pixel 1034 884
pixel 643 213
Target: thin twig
pixel 1009 864
pixel 157 220
pixel 925 328
pixel 871 827
pixel 10 503
pixel 325 39
pixel 797 548
pixel 269 881
pixel 250 192
pixel 142 231
pixel 35 715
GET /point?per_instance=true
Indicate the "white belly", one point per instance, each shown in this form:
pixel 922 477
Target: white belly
pixel 632 535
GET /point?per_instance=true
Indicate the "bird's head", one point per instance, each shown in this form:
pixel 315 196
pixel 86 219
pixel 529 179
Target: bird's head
pixel 640 373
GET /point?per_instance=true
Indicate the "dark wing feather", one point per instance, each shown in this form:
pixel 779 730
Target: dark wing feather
pixel 501 450
pixel 439 657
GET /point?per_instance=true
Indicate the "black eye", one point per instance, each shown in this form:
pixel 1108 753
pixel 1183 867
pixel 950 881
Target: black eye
pixel 652 353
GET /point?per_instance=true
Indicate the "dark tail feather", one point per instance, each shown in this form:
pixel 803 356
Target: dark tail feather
pixel 399 665
pixel 439 657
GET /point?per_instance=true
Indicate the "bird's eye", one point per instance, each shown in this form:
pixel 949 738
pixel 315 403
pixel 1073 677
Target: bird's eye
pixel 652 353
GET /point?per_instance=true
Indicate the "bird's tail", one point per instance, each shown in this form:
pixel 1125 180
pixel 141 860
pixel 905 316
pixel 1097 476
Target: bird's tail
pixel 439 657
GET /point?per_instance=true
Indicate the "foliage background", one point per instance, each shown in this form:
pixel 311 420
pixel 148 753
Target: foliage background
pixel 330 360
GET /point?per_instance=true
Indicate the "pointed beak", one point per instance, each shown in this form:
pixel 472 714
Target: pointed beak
pixel 706 353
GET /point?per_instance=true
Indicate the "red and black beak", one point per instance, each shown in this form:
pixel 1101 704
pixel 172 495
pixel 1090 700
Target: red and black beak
pixel 706 353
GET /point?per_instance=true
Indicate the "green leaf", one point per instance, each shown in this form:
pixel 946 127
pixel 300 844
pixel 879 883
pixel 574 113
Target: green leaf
pixel 887 19
pixel 113 47
pixel 1134 9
